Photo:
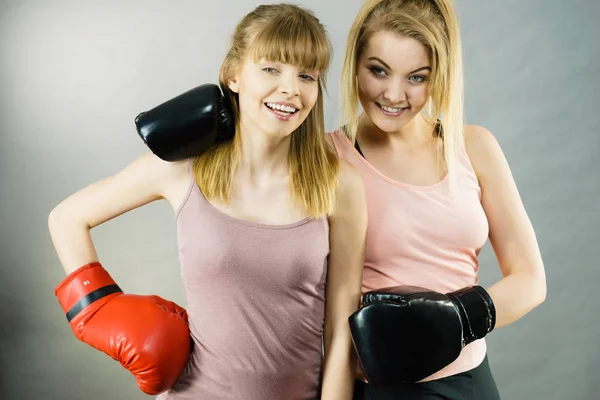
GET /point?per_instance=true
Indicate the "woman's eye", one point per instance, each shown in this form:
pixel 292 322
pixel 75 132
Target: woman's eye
pixel 307 77
pixel 417 78
pixel 377 71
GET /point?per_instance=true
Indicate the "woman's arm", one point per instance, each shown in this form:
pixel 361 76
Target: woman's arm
pixel 146 179
pixel 348 228
pixel 511 233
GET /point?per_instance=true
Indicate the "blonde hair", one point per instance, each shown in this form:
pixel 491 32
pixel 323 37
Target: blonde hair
pixel 434 24
pixel 292 35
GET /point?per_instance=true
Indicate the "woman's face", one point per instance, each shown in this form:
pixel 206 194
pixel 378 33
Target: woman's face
pixel 393 75
pixel 274 98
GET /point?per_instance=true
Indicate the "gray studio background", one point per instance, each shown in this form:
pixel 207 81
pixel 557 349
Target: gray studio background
pixel 74 74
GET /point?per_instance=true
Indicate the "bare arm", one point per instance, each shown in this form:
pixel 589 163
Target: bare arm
pixel 146 179
pixel 511 233
pixel 347 245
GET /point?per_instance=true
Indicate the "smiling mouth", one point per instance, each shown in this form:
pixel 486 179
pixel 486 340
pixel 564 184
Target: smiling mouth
pixel 281 109
pixel 392 111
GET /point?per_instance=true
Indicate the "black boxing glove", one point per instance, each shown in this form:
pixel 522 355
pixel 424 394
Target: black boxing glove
pixel 406 333
pixel 187 125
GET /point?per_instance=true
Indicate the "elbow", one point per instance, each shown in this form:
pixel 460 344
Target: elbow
pixel 542 292
pixel 57 217
pixel 61 216
pixel 539 289
pixel 54 219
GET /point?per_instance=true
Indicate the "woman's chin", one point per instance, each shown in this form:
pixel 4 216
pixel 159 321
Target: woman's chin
pixel 389 125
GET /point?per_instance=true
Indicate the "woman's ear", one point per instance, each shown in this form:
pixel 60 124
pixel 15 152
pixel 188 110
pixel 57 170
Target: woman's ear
pixel 234 85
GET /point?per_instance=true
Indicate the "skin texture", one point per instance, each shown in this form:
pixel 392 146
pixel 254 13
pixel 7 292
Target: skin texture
pixel 393 71
pixel 260 193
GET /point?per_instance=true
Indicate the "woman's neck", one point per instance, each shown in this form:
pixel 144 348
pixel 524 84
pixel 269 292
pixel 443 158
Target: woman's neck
pixel 263 157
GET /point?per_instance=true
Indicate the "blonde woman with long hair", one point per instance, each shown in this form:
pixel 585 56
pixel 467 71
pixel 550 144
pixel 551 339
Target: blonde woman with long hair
pixel 436 191
pixel 271 229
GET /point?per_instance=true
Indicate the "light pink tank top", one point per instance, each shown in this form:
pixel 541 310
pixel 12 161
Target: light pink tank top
pixel 255 296
pixel 418 235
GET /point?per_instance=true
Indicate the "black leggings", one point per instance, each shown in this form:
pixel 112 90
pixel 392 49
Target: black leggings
pixel 476 384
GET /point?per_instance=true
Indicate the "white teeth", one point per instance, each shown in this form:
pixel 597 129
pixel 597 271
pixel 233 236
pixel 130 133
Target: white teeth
pixel 391 109
pixel 281 107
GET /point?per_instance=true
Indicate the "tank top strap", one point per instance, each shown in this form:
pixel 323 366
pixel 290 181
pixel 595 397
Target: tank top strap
pixel 342 144
pixel 191 184
pixel 465 169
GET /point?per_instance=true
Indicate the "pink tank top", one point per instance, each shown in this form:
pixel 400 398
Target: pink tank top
pixel 255 296
pixel 418 236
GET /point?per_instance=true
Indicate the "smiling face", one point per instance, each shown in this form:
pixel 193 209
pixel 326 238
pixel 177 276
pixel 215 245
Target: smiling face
pixel 393 75
pixel 274 98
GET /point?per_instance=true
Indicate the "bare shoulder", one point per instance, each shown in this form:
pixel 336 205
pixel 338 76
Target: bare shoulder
pixel 171 177
pixel 151 170
pixel 483 150
pixel 478 134
pixel 351 189
pixel 350 178
pixel 165 169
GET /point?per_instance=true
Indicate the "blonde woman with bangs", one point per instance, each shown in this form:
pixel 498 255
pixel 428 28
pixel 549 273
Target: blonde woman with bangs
pixel 271 226
pixel 436 191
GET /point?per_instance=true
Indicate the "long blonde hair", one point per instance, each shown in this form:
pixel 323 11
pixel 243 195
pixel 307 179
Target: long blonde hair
pixel 434 24
pixel 292 35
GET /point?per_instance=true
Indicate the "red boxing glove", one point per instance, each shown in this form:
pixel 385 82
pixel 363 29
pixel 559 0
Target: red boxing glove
pixel 148 335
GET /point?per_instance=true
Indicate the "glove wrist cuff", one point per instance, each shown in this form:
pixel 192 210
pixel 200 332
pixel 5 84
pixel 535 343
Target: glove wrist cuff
pixel 477 308
pixel 84 286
